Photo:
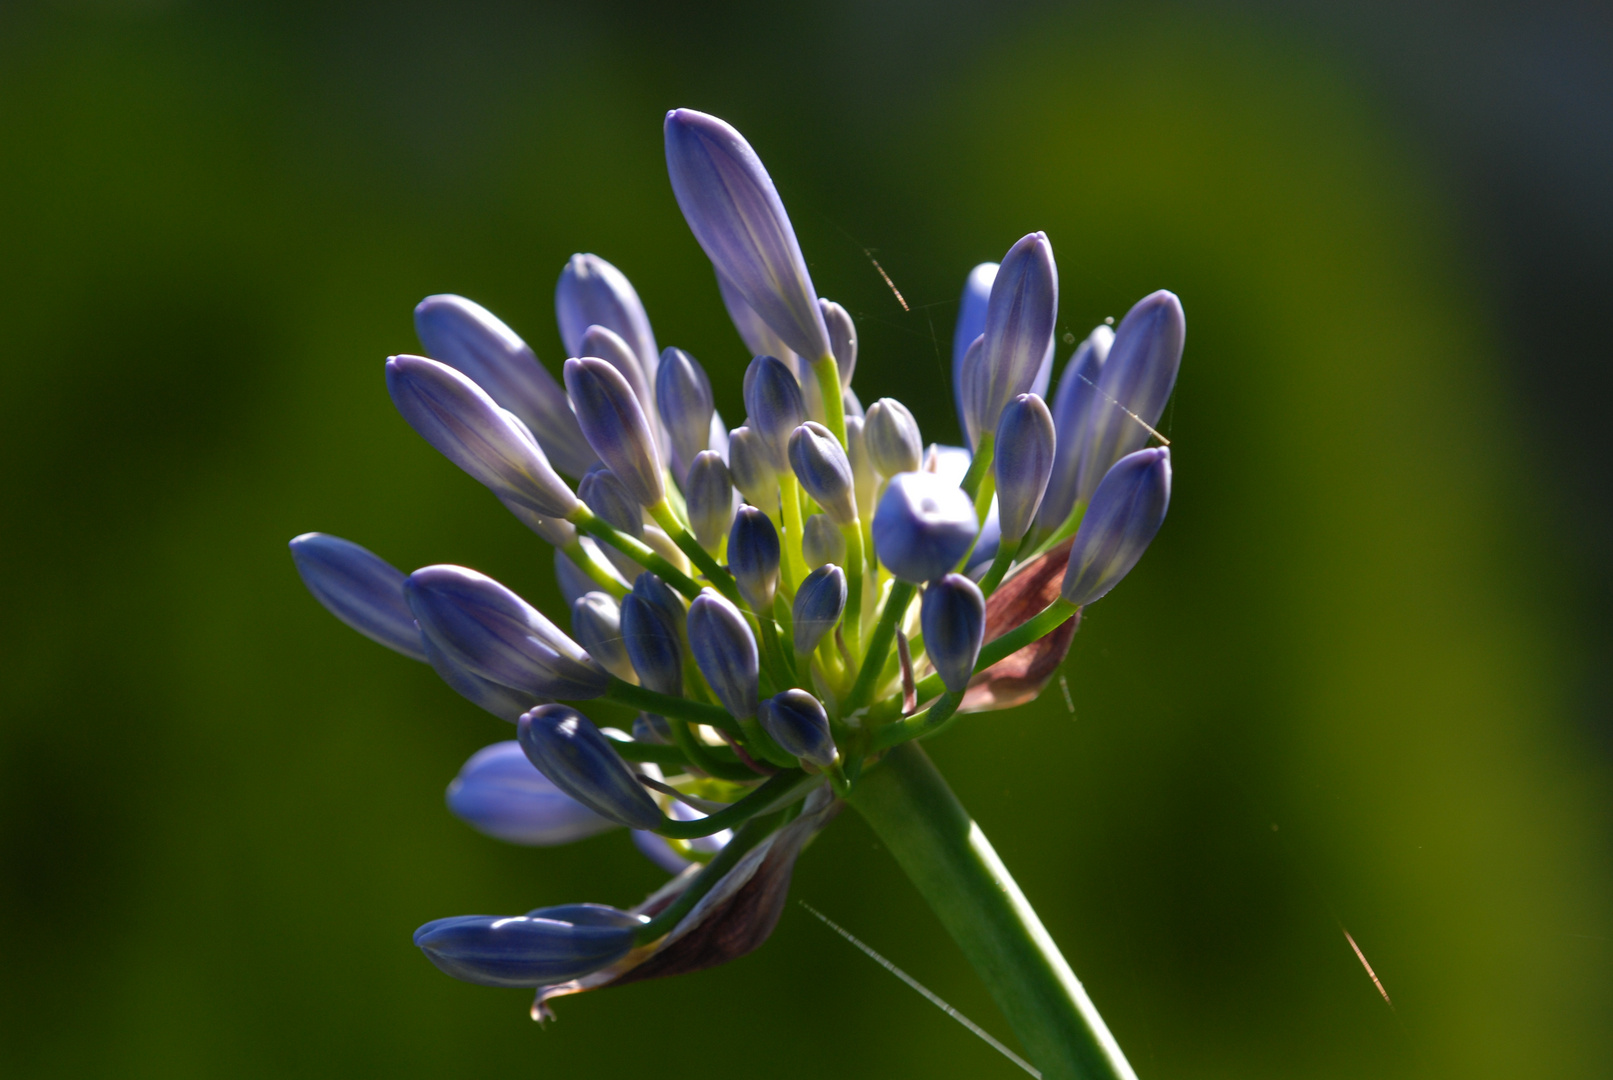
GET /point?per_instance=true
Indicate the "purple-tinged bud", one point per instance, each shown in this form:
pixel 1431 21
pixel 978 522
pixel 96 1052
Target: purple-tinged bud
pixel 480 625
pixel 596 620
pixel 822 542
pixel 953 615
pixel 504 702
pixel 818 605
pixel 360 588
pixel 615 426
pixel 971 324
pixel 923 526
pixel 593 292
pixel 608 497
pixel 498 792
pixel 652 645
pixel 470 429
pixel 683 394
pixel 820 463
pixel 893 439
pixel 1020 318
pixel 725 651
pixel 758 337
pixel 709 493
pixel 751 465
pixel 973 388
pixel 662 597
pixel 753 557
pixel 1022 458
pixel 466 336
pixel 557 531
pixel 1134 385
pixel 568 749
pixel 864 480
pixel 849 403
pixel 608 346
pixel 1126 511
pixel 1072 418
pixel 773 399
pixel 842 338
pixel 547 946
pixel 735 212
pixel 797 722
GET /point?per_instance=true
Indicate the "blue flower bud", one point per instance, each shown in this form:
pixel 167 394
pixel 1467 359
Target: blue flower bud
pixel 751 465
pixel 864 481
pixel 725 651
pixel 822 542
pixel 550 945
pixel 652 645
pixel 893 439
pixel 469 428
pixel 499 793
pixel 753 557
pixel 360 588
pixel 773 399
pixel 1022 459
pixel 466 336
pixel 971 324
pixel 842 338
pixel 973 388
pixel 1134 385
pixel 818 605
pixel 484 627
pixel 608 497
pixel 683 394
pixel 568 749
pixel 596 620
pixel 709 493
pixel 504 702
pixel 1072 418
pixel 820 463
pixel 734 211
pixel 758 337
pixel 953 615
pixel 615 426
pixel 923 526
pixel 607 345
pixel 1126 511
pixel 663 598
pixel 797 722
pixel 1020 319
pixel 592 292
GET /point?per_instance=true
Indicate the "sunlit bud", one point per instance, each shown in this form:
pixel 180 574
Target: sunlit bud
pixel 751 465
pixel 1126 511
pixel 1134 385
pixel 484 627
pixel 773 399
pixel 500 793
pixel 504 702
pixel 1022 458
pixel 818 604
pixel 842 338
pixel 360 588
pixel 664 546
pixel 683 394
pixel 608 346
pixel 615 426
pixel 753 557
pixel 596 620
pixel 797 722
pixel 923 526
pixel 734 211
pixel 551 945
pixel 820 463
pixel 973 386
pixel 758 337
pixel 1072 418
pixel 709 493
pixel 1020 318
pixel 822 542
pixel 893 439
pixel 593 292
pixel 953 616
pixel 849 403
pixel 651 728
pixel 568 749
pixel 971 324
pixel 652 645
pixel 863 478
pixel 725 651
pixel 469 428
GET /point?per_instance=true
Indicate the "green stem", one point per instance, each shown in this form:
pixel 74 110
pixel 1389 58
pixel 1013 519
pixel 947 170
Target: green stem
pixel 999 566
pixel 979 466
pixel 834 405
pixel 794 568
pixel 754 831
pixel 944 853
pixel 879 646
pixel 589 522
pixel 600 575
pixel 927 722
pixel 642 697
pixel 705 757
pixel 776 788
pixel 852 619
pixel 719 578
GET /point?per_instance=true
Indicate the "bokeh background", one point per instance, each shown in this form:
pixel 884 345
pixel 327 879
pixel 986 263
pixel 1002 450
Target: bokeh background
pixel 1360 682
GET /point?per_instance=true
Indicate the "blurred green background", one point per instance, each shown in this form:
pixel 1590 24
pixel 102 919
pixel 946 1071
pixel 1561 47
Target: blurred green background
pixel 1353 685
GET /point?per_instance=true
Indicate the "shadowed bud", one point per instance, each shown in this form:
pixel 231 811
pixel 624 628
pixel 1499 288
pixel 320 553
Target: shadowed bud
pixel 466 336
pixel 753 557
pixel 500 793
pixel 820 463
pixel 1072 418
pixel 608 346
pixel 615 426
pixel 734 211
pixel 504 702
pixel 683 394
pixel 818 604
pixel 652 645
pixel 467 427
pixel 709 492
pixel 550 945
pixel 360 588
pixel 773 399
pixel 751 465
pixel 822 542
pixel 592 292
pixel 953 616
pixel 568 749
pixel 485 628
pixel 651 728
pixel 842 338
pixel 1023 458
pixel 725 651
pixel 973 388
pixel 863 478
pixel 1020 319
pixel 893 439
pixel 923 526
pixel 797 721
pixel 1126 511
pixel 1136 379
pixel 608 497
pixel 971 324
pixel 596 620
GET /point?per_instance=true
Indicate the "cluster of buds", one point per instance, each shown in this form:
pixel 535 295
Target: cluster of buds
pixel 748 593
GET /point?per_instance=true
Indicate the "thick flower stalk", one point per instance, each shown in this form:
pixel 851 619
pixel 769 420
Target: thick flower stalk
pixel 777 612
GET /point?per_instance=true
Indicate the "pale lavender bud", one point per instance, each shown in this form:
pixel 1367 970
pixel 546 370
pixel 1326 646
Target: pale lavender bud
pixel 971 324
pixel 499 792
pixel 683 394
pixel 360 588
pixel 725 651
pixel 504 702
pixel 557 531
pixel 608 345
pixel 593 292
pixel 923 526
pixel 1134 385
pixel 822 542
pixel 615 426
pixel 1126 511
pixel 974 386
pixel 773 399
pixel 751 465
pixel 820 463
pixel 596 621
pixel 1022 459
pixel 1020 318
pixel 863 477
pixel 818 605
pixel 568 749
pixel 608 497
pixel 842 338
pixel 709 493
pixel 797 722
pixel 758 337
pixel 652 644
pixel 1072 418
pixel 892 436
pixel 953 615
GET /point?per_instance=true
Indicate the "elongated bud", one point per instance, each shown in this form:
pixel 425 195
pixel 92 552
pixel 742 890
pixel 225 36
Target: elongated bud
pixel 892 436
pixel 467 427
pixel 1023 459
pixel 360 588
pixel 663 598
pixel 773 399
pixel 818 604
pixel 735 212
pixel 863 478
pixel 608 497
pixel 849 404
pixel 466 336
pixel 504 702
pixel 753 557
pixel 596 620
pixel 1020 318
pixel 758 337
pixel 652 645
pixel 1126 511
pixel 1072 418
pixel 820 463
pixel 607 345
pixel 974 382
pixel 550 945
pixel 683 394
pixel 953 615
pixel 709 492
pixel 971 324
pixel 923 526
pixel 593 292
pixel 484 627
pixel 615 426
pixel 573 753
pixel 822 542
pixel 1134 385
pixel 500 793
pixel 842 338
pixel 725 651
pixel 797 722
pixel 751 464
